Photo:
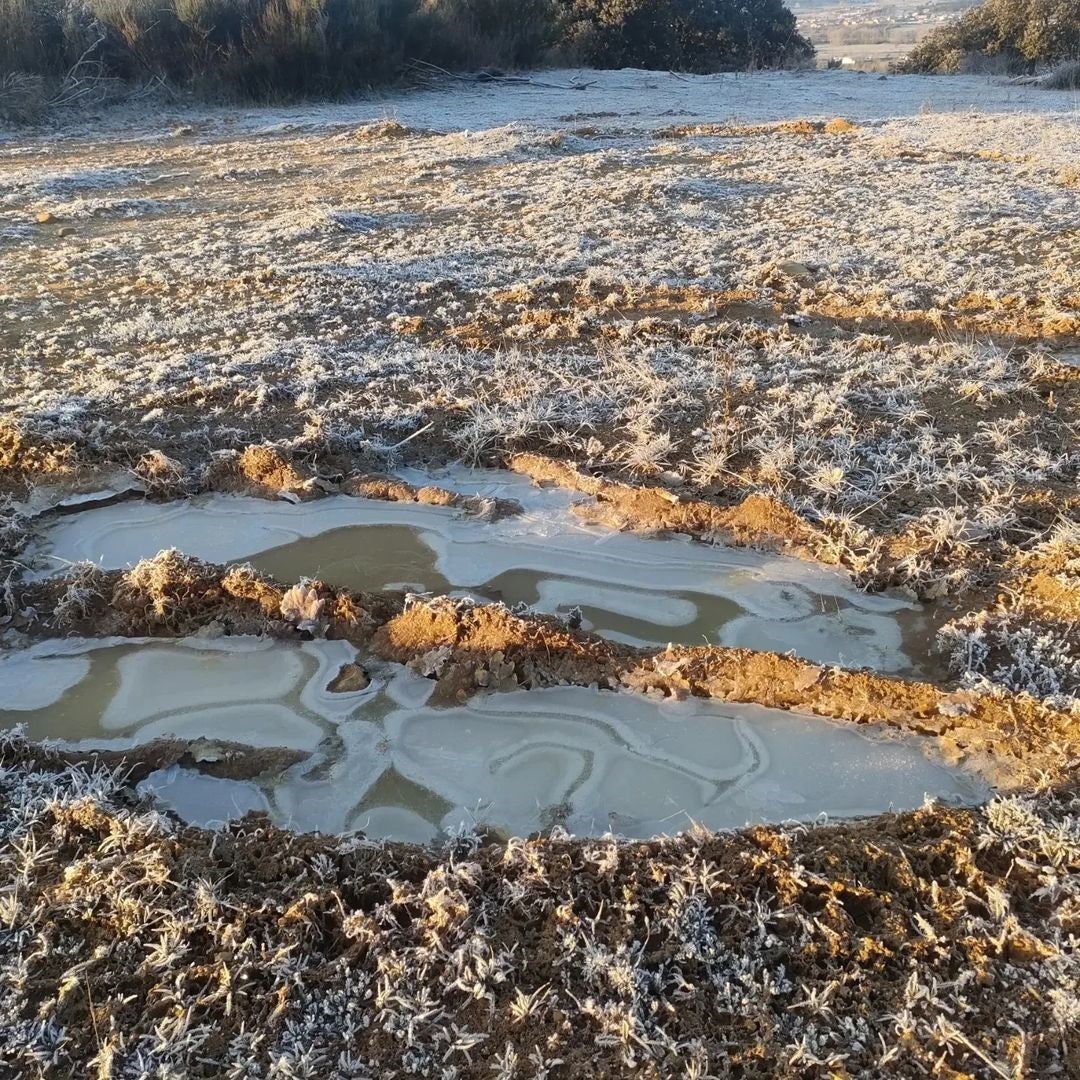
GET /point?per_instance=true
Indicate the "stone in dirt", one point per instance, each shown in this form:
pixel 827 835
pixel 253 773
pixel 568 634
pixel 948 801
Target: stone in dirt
pixel 45 218
pixel 792 269
pixel 349 679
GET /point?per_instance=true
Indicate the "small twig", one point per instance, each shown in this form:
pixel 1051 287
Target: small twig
pixel 440 70
pixel 409 438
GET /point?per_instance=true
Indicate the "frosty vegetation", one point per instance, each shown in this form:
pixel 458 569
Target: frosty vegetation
pixel 869 324
pixel 56 54
pixel 874 323
pixel 1011 35
pixel 257 953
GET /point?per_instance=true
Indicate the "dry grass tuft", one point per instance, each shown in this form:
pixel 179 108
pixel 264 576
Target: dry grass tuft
pixel 840 126
pixel 261 470
pixel 164 476
pixel 382 130
pixel 162 591
pixel 24 98
pixel 1064 77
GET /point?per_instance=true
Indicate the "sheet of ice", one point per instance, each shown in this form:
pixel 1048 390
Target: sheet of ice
pixel 203 800
pixel 845 636
pixel 386 762
pixel 225 672
pixel 246 690
pixel 597 761
pixel 29 682
pixel 636 588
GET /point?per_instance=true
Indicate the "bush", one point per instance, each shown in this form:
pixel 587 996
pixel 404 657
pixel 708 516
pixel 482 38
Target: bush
pixel 685 35
pixel 474 34
pixel 265 49
pixel 23 98
pixel 1022 34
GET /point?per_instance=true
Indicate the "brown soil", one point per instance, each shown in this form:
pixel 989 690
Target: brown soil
pixel 19 451
pixel 390 489
pixel 566 312
pixel 1055 597
pixel 757 521
pixel 838 126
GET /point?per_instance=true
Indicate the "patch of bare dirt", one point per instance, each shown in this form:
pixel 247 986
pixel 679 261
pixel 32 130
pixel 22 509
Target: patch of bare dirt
pixel 390 489
pixel 836 126
pixel 757 521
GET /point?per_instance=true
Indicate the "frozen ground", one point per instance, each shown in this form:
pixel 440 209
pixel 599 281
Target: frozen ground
pixel 819 308
pixel 875 321
pixel 652 95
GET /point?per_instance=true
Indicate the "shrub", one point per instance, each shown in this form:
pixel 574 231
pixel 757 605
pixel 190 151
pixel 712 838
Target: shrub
pixel 1021 33
pixel 264 49
pixel 23 98
pixel 1064 77
pixel 482 33
pixel 687 35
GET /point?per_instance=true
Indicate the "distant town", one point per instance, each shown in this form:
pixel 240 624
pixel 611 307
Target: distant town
pixel 870 36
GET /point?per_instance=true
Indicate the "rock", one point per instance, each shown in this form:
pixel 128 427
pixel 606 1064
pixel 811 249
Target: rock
pixel 205 750
pixel 349 679
pixel 67 231
pixel 45 218
pixel 792 269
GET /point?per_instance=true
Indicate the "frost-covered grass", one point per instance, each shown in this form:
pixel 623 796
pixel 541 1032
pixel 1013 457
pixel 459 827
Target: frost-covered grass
pixel 132 947
pixel 869 325
pixel 865 321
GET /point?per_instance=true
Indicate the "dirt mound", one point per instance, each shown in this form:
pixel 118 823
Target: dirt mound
pixel 382 131
pixel 758 521
pixel 24 452
pixel 261 470
pixel 390 489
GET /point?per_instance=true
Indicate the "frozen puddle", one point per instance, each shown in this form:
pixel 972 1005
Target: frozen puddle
pixel 384 762
pixel 627 587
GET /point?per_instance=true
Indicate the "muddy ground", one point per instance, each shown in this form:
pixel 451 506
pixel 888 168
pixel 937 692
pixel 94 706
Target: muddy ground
pixel 821 315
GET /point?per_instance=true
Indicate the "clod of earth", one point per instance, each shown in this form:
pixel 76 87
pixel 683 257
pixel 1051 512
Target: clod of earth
pixel 349 679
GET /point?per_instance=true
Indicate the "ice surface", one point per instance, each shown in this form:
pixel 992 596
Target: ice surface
pixel 635 588
pixel 386 762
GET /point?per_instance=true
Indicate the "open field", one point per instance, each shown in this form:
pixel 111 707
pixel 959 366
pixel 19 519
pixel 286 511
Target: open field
pixel 772 384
